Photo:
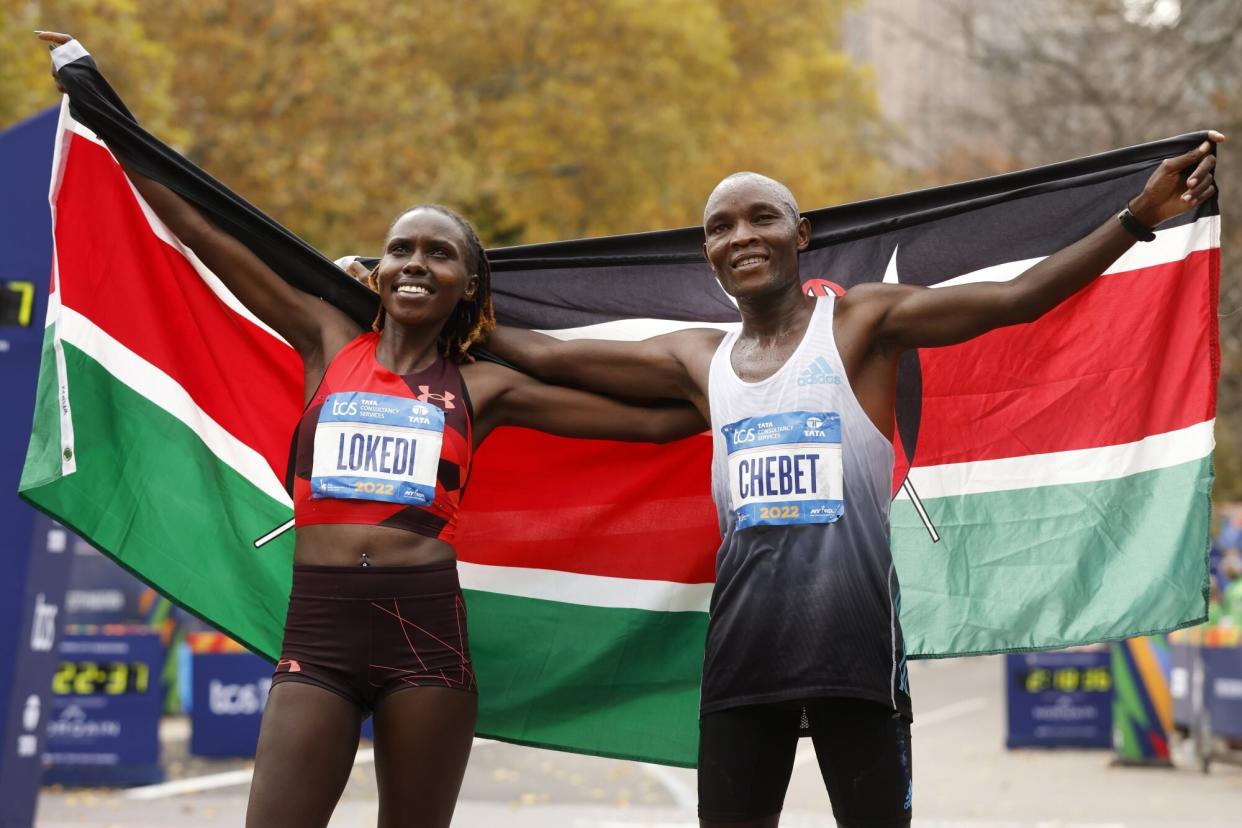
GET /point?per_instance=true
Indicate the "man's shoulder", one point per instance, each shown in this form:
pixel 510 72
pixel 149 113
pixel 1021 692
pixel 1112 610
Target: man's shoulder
pixel 875 297
pixel 690 341
pixel 869 292
pixel 694 349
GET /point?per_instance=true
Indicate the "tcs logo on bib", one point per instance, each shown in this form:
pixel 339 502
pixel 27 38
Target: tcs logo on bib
pixel 344 408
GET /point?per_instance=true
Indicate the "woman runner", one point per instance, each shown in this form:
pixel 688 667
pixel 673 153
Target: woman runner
pixel 376 622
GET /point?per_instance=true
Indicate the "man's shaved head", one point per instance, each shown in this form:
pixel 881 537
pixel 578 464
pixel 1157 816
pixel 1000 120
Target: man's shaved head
pixel 778 191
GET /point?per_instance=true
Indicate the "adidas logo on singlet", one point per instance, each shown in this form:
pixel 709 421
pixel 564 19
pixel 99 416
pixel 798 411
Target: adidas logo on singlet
pixel 819 372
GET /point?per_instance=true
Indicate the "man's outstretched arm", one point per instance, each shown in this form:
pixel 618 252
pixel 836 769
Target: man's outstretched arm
pixel 663 367
pixel 916 317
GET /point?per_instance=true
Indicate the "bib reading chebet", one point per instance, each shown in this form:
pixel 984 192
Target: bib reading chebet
pixel 785 468
pixel 377 447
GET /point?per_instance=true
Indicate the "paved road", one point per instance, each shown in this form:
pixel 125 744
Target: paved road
pixel 962 777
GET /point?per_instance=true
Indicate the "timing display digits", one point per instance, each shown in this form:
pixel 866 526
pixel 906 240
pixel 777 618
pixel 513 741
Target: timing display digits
pixel 1068 679
pixel 16 304
pixel 110 678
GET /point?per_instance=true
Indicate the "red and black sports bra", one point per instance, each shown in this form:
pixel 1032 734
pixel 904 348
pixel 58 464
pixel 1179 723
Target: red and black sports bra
pixel 384 449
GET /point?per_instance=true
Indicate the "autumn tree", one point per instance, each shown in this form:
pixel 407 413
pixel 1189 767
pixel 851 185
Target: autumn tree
pixel 137 63
pixel 539 119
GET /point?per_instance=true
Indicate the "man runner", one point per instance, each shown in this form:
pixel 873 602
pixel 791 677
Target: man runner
pixel 804 632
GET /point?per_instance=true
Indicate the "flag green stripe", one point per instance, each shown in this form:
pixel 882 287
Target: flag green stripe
pixel 144 478
pixel 43 454
pixel 1055 566
pixel 581 678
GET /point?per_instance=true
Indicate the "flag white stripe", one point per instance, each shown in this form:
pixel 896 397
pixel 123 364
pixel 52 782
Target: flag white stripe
pixel 68 456
pixel 163 391
pixel 1063 468
pixel 1171 245
pixel 590 590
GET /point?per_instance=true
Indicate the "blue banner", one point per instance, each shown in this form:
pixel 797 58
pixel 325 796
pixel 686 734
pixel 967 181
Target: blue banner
pixel 1059 699
pixel 229 694
pixel 100 592
pixel 107 701
pixel 32 548
pixel 1183 678
pixel 1222 690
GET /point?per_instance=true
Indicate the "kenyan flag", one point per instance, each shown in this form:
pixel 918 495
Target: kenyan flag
pixel 1059 472
pixel 162 433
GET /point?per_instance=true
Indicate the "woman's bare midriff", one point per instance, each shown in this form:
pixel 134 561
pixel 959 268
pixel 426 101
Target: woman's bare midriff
pixel 344 544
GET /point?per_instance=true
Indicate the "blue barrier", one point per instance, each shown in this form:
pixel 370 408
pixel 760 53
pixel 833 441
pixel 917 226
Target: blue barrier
pixel 1222 685
pixel 107 699
pixel 32 547
pixel 228 692
pixel 1059 699
pixel 228 695
pixel 1181 681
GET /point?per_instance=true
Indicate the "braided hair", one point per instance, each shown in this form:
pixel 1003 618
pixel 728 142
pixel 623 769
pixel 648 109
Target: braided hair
pixel 472 319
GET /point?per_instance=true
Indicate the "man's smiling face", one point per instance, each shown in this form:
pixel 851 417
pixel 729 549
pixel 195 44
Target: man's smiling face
pixel 753 236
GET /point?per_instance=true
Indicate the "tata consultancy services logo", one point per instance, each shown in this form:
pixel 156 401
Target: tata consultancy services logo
pixel 819 372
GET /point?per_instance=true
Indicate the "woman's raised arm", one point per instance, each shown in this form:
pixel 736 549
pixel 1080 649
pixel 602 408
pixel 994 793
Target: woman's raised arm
pixel 316 329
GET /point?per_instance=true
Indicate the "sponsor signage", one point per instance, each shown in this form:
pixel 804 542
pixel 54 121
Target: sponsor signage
pixel 229 694
pixel 1185 683
pixel 1059 699
pixel 1222 690
pixel 107 699
pixel 99 591
pixel 229 689
pixel 31 546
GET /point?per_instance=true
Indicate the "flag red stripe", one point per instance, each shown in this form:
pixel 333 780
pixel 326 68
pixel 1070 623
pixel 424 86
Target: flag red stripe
pixel 627 510
pixel 1130 357
pixel 242 377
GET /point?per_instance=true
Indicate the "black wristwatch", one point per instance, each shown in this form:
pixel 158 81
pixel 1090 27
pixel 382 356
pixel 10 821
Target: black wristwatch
pixel 1135 227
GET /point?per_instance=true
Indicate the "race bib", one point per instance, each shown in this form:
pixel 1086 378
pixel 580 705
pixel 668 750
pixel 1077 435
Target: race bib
pixel 786 468
pixel 377 447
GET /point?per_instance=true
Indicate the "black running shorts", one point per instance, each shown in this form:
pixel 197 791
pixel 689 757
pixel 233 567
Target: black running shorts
pixel 363 632
pixel 746 756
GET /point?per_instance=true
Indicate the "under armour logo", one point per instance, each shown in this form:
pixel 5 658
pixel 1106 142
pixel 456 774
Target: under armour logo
pixel 446 398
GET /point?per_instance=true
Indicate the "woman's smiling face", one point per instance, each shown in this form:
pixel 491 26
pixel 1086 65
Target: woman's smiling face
pixel 426 269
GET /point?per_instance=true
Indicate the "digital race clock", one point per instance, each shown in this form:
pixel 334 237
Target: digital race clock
pixel 16 304
pixel 111 678
pixel 1068 679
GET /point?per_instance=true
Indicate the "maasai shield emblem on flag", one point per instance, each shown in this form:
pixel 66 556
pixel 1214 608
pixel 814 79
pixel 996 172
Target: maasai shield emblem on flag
pixel 1059 472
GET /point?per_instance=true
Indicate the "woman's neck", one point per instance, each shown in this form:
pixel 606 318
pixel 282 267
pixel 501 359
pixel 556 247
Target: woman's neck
pixel 407 350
